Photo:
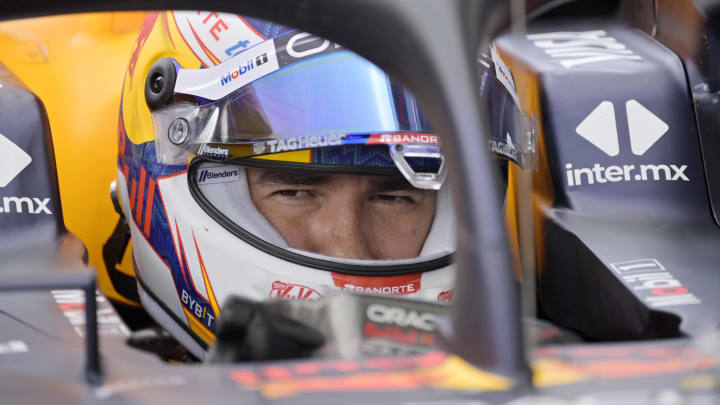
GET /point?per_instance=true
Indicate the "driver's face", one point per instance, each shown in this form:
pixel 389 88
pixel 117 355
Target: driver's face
pixel 344 215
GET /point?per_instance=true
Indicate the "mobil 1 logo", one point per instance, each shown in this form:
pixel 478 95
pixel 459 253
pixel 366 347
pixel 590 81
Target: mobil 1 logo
pixel 645 129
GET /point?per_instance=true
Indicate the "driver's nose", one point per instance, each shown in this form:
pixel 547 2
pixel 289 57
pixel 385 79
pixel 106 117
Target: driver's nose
pixel 336 230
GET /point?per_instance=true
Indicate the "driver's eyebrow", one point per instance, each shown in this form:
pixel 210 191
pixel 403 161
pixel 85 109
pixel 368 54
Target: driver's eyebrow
pixel 390 184
pixel 281 178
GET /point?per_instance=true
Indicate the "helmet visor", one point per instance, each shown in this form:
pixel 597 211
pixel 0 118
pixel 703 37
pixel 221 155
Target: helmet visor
pixel 290 94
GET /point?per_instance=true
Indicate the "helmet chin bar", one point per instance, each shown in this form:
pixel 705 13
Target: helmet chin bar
pixel 430 181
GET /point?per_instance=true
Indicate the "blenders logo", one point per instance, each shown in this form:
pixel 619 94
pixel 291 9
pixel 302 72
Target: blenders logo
pixel 244 68
pixel 217 175
pixel 209 151
pixel 645 129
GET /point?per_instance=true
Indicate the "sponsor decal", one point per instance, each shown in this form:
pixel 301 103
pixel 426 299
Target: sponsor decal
pixel 243 68
pixel 292 291
pixel 408 326
pixel 503 74
pixel 218 81
pixel 258 148
pixel 200 312
pixel 13 346
pixel 614 173
pixel 398 138
pixel 72 305
pixel 294 50
pixel 446 297
pixel 503 148
pixel 656 286
pixel 645 129
pixel 20 205
pixel 213 36
pixel 304 142
pixel 198 308
pixel 615 362
pixel 578 48
pixel 379 374
pixel 221 174
pixel 396 334
pixel 12 160
pixel 237 48
pixel 301 46
pixel 393 285
pixel 258 60
pixel 402 317
pixel 334 367
pixel 212 152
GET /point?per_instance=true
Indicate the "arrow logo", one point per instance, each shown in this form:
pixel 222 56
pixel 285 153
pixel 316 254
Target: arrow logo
pixel 600 129
pixel 12 160
pixel 645 127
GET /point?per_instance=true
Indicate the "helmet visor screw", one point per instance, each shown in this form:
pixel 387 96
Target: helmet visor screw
pixel 399 148
pixel 178 131
pixel 157 83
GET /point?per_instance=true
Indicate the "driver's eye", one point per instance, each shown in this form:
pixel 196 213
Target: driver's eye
pixel 292 193
pixel 391 199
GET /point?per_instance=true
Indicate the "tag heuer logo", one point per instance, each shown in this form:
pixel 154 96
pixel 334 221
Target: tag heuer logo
pixel 645 129
pixel 12 161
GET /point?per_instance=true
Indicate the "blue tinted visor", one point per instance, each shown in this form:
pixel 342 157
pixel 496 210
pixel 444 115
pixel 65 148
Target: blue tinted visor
pixel 331 99
pixel 339 93
pixel 298 92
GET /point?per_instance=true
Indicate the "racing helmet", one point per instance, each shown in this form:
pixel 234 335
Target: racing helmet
pixel 211 100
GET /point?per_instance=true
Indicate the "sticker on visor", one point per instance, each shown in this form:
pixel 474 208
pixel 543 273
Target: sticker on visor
pixel 258 61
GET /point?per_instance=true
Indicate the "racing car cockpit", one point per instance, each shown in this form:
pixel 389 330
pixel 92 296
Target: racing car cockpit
pixel 517 205
pixel 263 162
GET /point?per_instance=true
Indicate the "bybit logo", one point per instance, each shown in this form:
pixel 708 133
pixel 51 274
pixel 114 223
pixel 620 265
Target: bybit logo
pixel 600 129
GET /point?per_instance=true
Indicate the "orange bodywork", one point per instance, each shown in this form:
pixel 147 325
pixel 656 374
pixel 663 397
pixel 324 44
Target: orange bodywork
pixel 75 64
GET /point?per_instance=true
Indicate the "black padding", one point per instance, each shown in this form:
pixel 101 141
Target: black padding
pixel 160 83
pixel 248 332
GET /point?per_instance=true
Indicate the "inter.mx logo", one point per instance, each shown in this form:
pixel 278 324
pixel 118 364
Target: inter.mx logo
pixel 12 161
pixel 645 129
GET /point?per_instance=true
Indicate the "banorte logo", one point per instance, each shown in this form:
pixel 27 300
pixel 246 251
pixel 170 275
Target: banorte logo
pixel 404 137
pixel 392 285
